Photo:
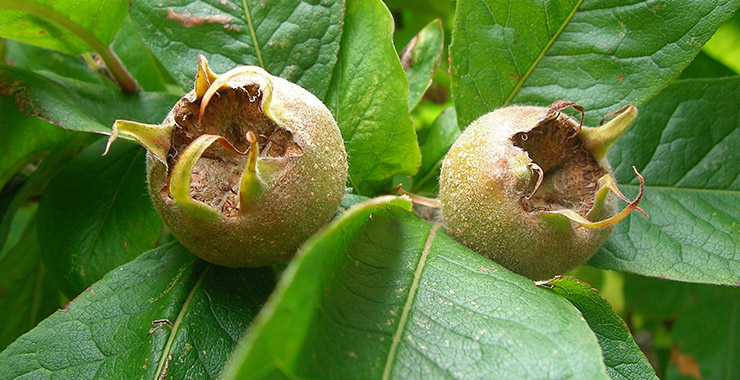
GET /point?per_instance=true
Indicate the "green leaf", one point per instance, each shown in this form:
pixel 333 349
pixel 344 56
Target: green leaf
pixel 135 55
pixel 686 143
pixel 368 97
pixel 420 59
pixel 80 106
pixel 66 26
pixel 709 333
pixel 166 314
pixel 28 294
pixel 37 181
pixel 440 137
pixel 23 139
pixel 622 356
pixel 601 54
pixel 96 215
pixel 49 62
pixel 295 39
pixel 380 293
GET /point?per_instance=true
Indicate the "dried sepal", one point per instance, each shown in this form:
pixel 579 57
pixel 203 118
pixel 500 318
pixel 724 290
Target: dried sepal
pixel 609 186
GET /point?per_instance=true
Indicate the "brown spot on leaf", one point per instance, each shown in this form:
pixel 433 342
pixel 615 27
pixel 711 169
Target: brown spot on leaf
pixel 407 54
pixel 515 75
pixel 189 20
pixel 685 364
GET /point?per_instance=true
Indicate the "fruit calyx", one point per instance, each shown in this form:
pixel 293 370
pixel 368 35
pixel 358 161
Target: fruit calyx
pixel 566 174
pixel 235 110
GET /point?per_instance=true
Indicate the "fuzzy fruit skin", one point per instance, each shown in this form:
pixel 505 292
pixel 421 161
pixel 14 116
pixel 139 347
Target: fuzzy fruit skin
pixel 480 195
pixel 301 197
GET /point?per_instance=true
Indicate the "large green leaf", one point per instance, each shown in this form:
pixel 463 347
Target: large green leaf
pixel 67 26
pixel 23 139
pixel 602 54
pixel 167 314
pixel 420 59
pixel 382 294
pixel 686 142
pixel 80 106
pixel 28 294
pixel 368 97
pixel 295 39
pixel 622 356
pixel 96 215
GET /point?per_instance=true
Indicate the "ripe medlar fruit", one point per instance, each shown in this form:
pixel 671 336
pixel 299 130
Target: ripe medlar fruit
pixel 276 175
pixel 530 188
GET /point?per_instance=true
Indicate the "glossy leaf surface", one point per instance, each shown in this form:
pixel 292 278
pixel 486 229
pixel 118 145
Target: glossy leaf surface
pixel 81 106
pixel 295 39
pixel 602 54
pixel 23 139
pixel 167 314
pixel 383 294
pixel 622 356
pixel 368 97
pixel 87 228
pixel 686 143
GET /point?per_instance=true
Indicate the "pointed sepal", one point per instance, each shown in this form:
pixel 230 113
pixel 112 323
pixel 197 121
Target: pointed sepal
pixel 204 78
pixel 251 186
pixel 598 140
pixel 155 138
pixel 256 75
pixel 181 175
pixel 579 219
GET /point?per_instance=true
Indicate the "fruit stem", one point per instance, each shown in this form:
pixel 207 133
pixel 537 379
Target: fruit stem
pixel 155 138
pixel 598 140
pixel 124 79
pixel 418 199
pixel 251 187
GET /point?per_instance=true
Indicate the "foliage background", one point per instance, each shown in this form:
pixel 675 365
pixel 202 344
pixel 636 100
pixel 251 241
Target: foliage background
pixel 379 293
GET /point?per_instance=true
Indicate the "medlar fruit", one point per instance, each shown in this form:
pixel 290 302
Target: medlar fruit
pixel 530 188
pixel 276 174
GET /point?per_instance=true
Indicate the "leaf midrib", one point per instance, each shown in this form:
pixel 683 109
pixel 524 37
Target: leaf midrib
pixel 397 336
pixel 176 325
pixel 253 33
pixel 542 54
